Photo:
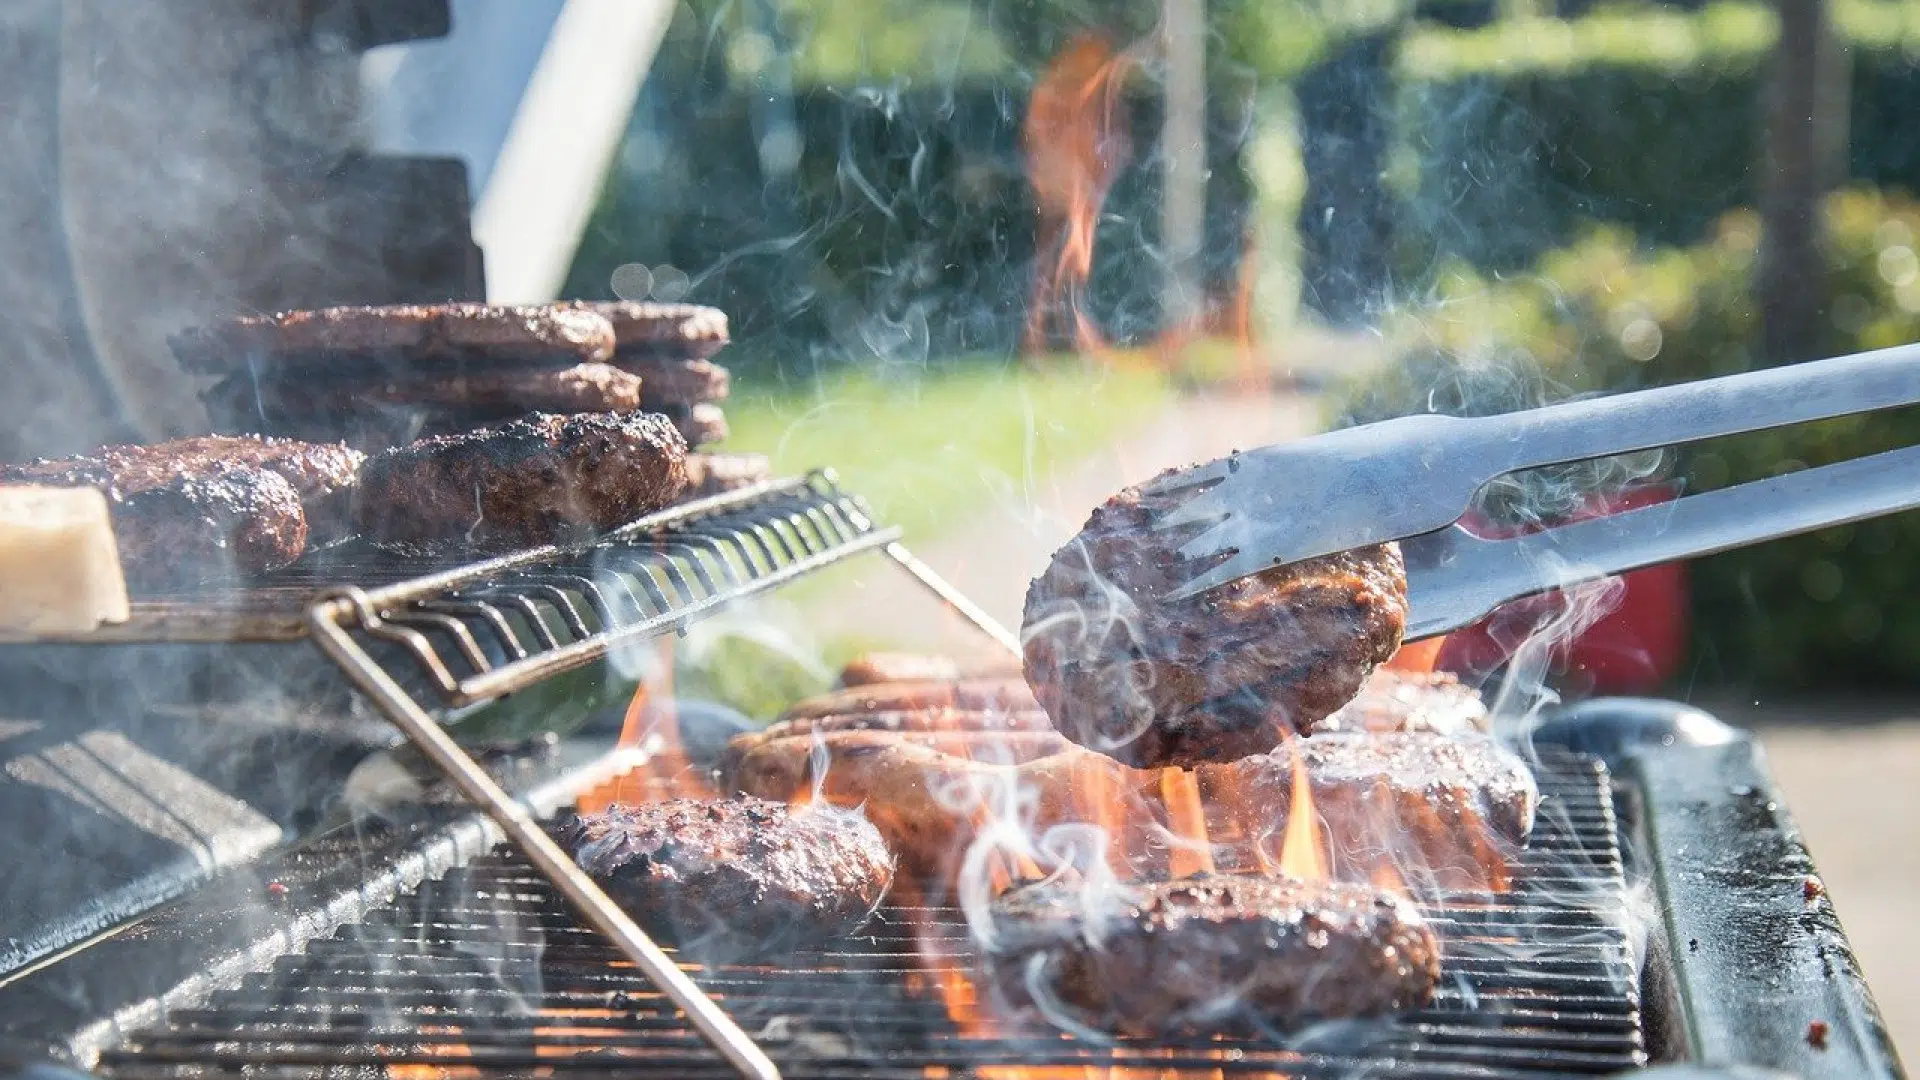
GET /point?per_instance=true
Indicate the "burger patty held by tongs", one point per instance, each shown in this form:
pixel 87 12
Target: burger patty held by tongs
pixel 1153 682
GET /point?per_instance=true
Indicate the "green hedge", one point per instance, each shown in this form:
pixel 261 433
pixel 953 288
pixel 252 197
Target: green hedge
pixel 1831 609
pixel 1520 133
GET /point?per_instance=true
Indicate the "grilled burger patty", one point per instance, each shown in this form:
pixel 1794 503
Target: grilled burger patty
pixel 196 528
pixel 713 474
pixel 495 391
pixel 404 337
pixel 734 871
pixel 702 425
pixel 1427 776
pixel 530 481
pixel 1436 812
pixel 1391 700
pixel 673 382
pixel 1213 678
pixel 664 331
pixel 198 507
pixel 1200 953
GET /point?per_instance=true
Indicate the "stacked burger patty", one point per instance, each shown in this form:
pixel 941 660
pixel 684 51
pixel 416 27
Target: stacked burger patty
pixel 449 425
pixel 380 377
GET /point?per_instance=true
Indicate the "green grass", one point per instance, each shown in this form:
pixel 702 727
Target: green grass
pixel 927 450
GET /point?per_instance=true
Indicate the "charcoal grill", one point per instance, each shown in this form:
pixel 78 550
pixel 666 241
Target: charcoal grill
pixel 1661 913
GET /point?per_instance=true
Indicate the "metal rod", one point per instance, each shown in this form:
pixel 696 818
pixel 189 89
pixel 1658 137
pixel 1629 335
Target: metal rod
pixel 521 673
pixel 324 621
pixel 953 597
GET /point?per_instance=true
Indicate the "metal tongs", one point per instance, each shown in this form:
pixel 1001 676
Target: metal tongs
pixel 1412 479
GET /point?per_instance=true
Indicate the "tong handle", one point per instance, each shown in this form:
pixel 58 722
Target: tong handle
pixel 1455 578
pixel 1705 409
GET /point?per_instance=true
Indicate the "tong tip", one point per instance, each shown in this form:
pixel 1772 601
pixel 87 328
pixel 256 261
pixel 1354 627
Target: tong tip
pixel 1237 566
pixel 1178 480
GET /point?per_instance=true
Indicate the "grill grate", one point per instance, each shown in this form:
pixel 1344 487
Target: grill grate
pixel 484 973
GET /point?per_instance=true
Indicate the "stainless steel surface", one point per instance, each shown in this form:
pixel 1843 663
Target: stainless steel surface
pixel 1455 578
pixel 325 622
pixel 1418 474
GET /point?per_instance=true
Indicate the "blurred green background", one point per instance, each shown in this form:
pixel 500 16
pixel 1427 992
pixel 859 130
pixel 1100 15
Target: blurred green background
pixel 1517 200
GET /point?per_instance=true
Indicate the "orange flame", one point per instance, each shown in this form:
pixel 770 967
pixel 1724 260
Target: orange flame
pixel 651 722
pixel 1302 854
pixel 1075 142
pixel 1187 820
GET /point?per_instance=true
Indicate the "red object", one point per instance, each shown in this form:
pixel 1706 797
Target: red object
pixel 1636 647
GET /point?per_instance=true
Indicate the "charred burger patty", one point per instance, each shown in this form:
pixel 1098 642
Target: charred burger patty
pixel 530 481
pixel 1213 678
pixel 1197 953
pixel 734 872
pixel 210 505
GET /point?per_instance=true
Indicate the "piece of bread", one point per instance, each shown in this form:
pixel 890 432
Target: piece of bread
pixel 59 567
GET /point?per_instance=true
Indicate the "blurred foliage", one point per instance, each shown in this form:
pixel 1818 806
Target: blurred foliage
pixel 900 228
pixel 846 44
pixel 1518 134
pixel 741 668
pixel 1729 36
pixel 1829 609
pixel 1723 37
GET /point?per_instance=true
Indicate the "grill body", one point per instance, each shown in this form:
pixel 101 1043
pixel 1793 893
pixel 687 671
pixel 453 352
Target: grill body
pixel 413 946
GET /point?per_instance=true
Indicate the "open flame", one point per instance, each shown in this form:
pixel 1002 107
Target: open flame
pixel 650 730
pixel 1076 142
pixel 1192 849
pixel 1302 851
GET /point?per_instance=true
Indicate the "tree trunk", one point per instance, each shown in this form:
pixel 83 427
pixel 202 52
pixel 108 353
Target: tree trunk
pixel 1805 156
pixel 1183 156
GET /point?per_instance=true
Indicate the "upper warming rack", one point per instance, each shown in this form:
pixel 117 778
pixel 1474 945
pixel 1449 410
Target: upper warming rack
pixel 477 632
